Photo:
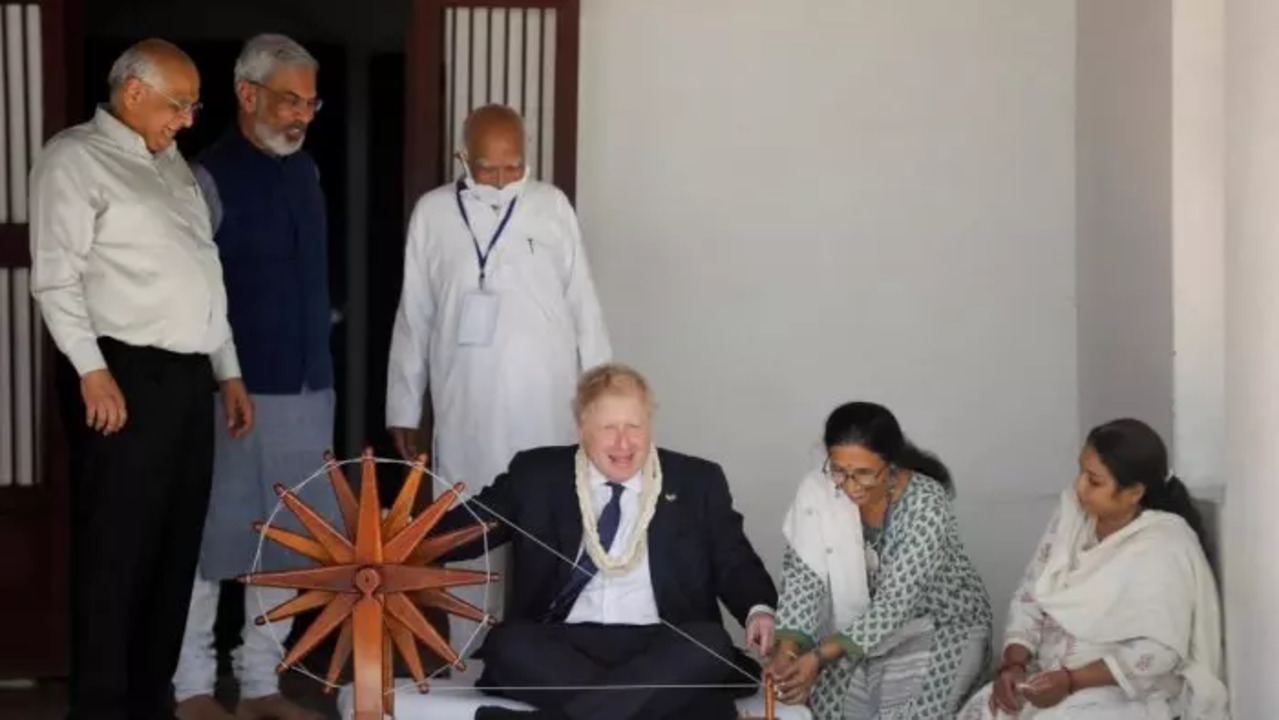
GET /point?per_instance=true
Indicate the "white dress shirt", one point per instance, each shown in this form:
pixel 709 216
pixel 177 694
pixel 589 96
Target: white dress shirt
pixel 612 599
pixel 121 246
pixel 625 599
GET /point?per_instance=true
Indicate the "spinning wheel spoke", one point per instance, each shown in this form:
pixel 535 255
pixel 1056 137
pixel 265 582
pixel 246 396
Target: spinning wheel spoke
pixel 341 651
pixel 398 517
pixel 306 601
pixel 342 489
pixel 432 548
pixel 446 601
pixel 401 546
pixel 388 673
pixel 368 534
pixel 328 619
pixel 334 543
pixel 369 681
pixel 401 609
pixel 334 578
pixel 297 543
pixel 407 645
pixel 406 578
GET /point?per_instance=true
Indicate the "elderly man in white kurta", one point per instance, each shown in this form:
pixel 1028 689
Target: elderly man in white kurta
pixel 498 314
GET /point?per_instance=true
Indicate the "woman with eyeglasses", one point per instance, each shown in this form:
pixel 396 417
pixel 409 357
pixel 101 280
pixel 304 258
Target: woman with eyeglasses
pixel 882 614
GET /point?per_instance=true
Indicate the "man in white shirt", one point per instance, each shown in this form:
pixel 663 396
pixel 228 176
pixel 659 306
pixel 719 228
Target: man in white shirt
pixel 498 314
pixel 128 281
pixel 622 556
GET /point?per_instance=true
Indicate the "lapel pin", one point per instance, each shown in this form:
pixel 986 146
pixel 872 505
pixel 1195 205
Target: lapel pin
pixel 670 497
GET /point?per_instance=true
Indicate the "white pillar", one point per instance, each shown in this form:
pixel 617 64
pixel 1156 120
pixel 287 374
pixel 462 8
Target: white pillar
pixel 1251 527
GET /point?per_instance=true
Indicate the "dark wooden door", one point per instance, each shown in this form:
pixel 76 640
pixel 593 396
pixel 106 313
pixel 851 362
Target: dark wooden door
pixel 467 53
pixel 33 468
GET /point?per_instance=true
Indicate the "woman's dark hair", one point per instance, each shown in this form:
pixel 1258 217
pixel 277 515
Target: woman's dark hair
pixel 873 427
pixel 1135 455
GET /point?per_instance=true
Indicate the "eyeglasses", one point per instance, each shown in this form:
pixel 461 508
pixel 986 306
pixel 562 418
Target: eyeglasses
pixel 292 100
pixel 862 477
pixel 190 109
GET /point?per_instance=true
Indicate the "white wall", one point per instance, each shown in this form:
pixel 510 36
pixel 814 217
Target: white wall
pixel 793 205
pixel 1252 332
pixel 1151 231
pixel 1124 182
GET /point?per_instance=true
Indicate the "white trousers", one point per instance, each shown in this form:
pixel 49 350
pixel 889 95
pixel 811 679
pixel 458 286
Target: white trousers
pixel 254 661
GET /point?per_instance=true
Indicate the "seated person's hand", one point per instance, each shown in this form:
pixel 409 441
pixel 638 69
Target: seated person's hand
pixel 794 680
pixel 759 633
pixel 779 663
pixel 1004 694
pixel 1047 689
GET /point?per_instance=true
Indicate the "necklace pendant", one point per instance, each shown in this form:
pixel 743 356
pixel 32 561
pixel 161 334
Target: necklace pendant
pixel 872 560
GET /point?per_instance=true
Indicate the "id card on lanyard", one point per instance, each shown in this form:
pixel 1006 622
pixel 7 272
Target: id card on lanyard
pixel 478 321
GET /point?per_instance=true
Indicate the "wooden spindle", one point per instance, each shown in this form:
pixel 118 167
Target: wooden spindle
pixel 770 700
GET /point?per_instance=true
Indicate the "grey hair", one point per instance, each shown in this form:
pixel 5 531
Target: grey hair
pixel 136 62
pixel 264 53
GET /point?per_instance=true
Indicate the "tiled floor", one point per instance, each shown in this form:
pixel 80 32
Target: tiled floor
pixel 47 701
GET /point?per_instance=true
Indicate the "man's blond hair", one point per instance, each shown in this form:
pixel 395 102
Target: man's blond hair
pixel 609 379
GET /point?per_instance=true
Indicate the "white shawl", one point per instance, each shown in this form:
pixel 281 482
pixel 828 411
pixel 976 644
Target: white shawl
pixel 1147 580
pixel 824 528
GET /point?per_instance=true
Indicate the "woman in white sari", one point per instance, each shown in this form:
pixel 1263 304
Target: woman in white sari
pixel 1117 617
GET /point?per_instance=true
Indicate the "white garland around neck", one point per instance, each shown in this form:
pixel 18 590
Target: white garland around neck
pixel 651 481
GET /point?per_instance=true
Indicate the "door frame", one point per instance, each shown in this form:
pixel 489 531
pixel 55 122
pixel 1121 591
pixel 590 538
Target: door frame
pixel 423 161
pixel 37 642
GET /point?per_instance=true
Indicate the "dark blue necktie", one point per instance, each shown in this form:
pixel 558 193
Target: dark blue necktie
pixel 609 519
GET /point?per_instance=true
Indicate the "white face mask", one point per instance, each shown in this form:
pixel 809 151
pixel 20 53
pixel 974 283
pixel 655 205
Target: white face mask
pixel 494 197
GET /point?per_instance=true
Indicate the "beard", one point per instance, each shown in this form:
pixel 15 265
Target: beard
pixel 281 142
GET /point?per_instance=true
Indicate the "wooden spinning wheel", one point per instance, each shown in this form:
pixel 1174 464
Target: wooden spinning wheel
pixel 370 581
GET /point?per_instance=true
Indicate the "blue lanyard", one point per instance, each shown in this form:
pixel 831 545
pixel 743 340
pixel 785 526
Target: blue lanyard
pixel 482 256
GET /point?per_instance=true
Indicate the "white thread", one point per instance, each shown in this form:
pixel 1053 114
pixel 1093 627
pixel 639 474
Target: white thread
pixel 579 568
pixel 461 688
pixel 466 499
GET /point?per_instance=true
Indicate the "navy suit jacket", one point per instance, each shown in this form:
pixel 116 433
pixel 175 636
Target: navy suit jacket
pixel 698 553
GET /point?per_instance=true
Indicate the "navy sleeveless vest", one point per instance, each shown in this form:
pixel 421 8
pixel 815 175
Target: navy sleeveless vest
pixel 274 250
